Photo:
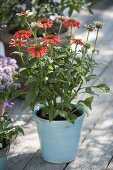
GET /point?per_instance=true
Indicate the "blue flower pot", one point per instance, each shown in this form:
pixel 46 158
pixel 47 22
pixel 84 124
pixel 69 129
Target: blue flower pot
pixel 3 161
pixel 3 158
pixel 59 139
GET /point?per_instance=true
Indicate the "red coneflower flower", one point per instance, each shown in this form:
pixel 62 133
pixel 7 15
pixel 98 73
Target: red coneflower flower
pixel 71 23
pixel 77 41
pixel 24 34
pixel 17 42
pixel 25 13
pixel 38 50
pixel 51 39
pixel 44 23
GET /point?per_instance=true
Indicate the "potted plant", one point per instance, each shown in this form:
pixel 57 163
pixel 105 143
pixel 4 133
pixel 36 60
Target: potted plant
pixel 7 133
pixel 8 68
pixel 54 76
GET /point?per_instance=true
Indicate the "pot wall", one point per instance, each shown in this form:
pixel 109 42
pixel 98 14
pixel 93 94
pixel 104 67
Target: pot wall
pixel 59 139
pixel 3 161
pixel 3 158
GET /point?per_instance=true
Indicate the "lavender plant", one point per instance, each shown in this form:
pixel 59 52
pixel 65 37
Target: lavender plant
pixel 8 68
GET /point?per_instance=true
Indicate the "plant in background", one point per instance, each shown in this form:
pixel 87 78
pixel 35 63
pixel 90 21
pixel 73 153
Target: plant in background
pixel 77 5
pixel 41 8
pixel 53 72
pixel 8 68
pixel 46 8
pixel 7 131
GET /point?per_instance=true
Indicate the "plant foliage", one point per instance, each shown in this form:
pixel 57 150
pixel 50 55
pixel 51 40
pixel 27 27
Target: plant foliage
pixel 54 71
pixel 7 131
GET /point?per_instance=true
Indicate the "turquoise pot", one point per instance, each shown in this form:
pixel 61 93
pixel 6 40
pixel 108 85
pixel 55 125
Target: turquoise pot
pixel 3 161
pixel 3 158
pixel 59 140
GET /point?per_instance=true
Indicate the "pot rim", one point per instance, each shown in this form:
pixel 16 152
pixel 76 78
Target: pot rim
pixel 36 117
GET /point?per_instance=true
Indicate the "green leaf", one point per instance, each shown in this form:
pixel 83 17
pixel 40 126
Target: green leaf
pixel 70 11
pixel 82 106
pixel 91 77
pixel 19 130
pixel 52 113
pixel 29 99
pixel 16 94
pixel 1 145
pixel 103 88
pixel 90 91
pixel 83 78
pixel 87 102
pixel 30 80
pixel 47 89
pixel 17 52
pixel 22 69
pixel 71 118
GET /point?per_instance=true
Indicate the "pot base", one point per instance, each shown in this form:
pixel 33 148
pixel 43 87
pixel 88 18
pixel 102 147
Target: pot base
pixel 57 161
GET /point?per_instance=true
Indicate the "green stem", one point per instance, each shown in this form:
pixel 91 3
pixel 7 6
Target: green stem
pixel 45 32
pixel 21 56
pixel 93 51
pixel 85 51
pixel 87 37
pixel 55 103
pixel 79 88
pixel 88 87
pixel 71 31
pixel 41 72
pixel 73 56
pixel 96 39
pixel 59 31
pixel 34 35
pixel 51 50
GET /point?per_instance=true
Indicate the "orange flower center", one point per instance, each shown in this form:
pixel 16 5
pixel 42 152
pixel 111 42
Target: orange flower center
pixel 38 47
pixel 17 42
pixel 43 21
pixel 22 31
pixel 71 20
pixel 50 36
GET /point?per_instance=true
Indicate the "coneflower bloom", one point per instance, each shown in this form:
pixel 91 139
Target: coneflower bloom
pixel 51 39
pixel 77 41
pixel 38 50
pixel 17 42
pixel 25 13
pixel 90 27
pixel 61 18
pixel 24 34
pixel 98 24
pixel 44 23
pixel 71 23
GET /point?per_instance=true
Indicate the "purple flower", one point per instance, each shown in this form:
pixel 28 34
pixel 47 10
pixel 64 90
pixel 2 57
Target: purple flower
pixel 8 68
pixel 17 85
pixel 2 87
pixel 8 104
